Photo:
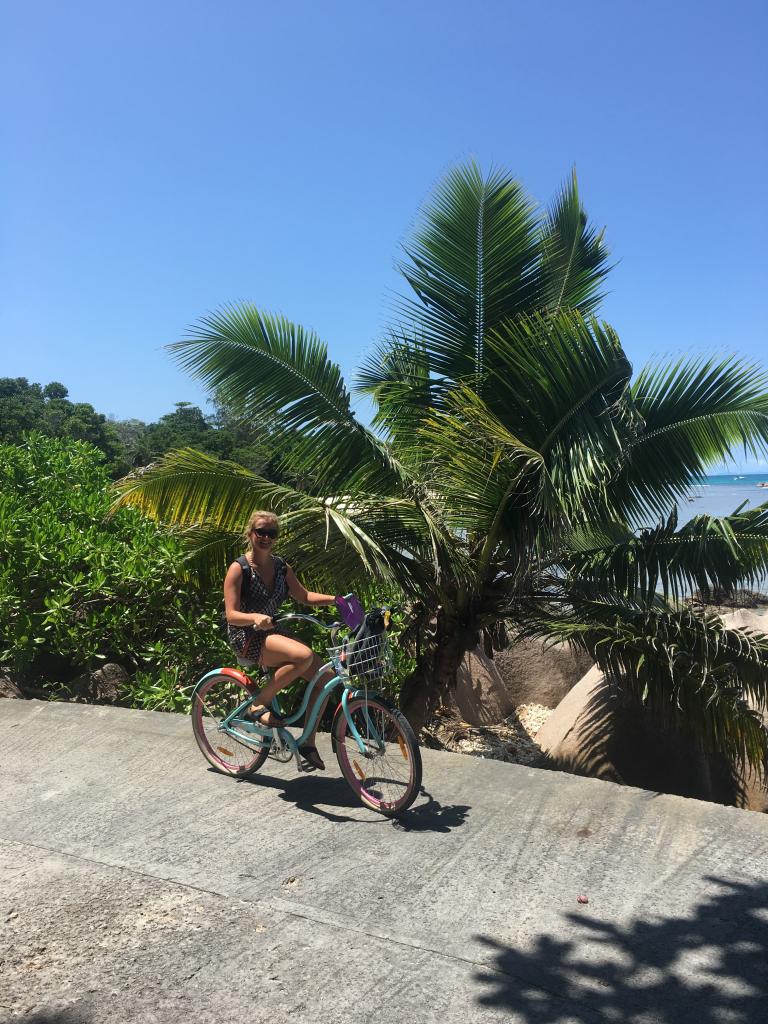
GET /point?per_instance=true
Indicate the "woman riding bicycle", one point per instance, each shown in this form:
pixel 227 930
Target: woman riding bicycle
pixel 253 634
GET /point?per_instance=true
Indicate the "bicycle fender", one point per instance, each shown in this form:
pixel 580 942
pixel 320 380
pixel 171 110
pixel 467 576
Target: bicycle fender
pixel 237 674
pixel 232 672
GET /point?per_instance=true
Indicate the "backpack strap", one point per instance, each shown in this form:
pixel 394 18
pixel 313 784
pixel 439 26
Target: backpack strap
pixel 245 583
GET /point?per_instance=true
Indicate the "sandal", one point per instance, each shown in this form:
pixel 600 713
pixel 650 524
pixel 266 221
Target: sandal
pixel 309 752
pixel 257 717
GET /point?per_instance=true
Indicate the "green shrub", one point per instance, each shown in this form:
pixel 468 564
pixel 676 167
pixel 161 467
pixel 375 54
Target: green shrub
pixel 79 587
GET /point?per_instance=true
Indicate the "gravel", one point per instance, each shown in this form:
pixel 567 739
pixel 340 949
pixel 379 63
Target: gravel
pixel 512 740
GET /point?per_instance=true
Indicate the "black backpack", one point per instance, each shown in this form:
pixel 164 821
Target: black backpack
pixel 245 583
pixel 365 649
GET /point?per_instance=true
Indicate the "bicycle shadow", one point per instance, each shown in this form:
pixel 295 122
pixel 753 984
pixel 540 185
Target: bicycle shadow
pixel 308 792
pixel 53 1015
pixel 432 816
pixel 315 793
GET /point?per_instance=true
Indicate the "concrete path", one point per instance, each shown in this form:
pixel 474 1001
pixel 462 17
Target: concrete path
pixel 136 885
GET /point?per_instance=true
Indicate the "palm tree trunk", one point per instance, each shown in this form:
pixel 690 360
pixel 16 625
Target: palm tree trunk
pixel 433 680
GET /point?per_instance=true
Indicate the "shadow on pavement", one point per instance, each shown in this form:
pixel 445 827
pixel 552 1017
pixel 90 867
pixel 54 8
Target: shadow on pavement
pixel 53 1016
pixel 306 793
pixel 432 816
pixel 709 968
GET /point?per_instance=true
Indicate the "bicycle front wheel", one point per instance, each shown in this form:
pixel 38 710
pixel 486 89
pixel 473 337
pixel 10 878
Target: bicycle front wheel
pixel 213 700
pixel 387 778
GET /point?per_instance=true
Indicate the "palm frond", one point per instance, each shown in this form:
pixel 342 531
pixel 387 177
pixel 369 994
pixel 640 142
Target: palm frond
pixel 187 487
pixel 560 384
pixel 279 374
pixel 396 377
pixel 707 553
pixel 534 453
pixel 471 263
pixel 690 672
pixel 480 255
pixel 480 469
pixel 347 535
pixel 697 412
pixel 574 262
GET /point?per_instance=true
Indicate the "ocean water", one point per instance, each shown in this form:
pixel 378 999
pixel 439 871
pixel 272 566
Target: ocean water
pixel 721 495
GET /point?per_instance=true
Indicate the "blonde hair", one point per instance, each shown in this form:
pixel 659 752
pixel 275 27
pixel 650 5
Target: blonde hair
pixel 269 516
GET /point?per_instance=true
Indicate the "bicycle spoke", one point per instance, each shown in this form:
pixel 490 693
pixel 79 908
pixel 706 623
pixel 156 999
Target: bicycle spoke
pixel 216 700
pixel 386 775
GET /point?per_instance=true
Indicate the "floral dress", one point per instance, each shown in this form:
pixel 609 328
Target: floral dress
pixel 248 641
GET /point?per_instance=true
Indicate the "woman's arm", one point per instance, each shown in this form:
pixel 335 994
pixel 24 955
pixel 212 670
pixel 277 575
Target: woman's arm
pixel 233 581
pixel 300 593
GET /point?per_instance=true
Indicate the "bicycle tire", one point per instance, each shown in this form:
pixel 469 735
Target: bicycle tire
pixel 212 701
pixel 379 782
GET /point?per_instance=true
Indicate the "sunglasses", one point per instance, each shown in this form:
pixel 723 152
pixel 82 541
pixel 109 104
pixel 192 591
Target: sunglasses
pixel 272 534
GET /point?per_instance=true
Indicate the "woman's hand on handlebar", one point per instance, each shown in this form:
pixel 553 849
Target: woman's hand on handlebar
pixel 263 622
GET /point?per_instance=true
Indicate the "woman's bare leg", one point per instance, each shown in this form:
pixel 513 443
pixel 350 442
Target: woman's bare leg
pixel 289 658
pixel 324 678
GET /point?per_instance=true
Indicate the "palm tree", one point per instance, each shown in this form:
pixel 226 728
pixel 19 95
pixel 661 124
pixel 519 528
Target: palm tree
pixel 513 473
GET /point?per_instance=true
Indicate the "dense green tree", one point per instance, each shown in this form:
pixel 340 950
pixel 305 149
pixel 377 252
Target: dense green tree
pixel 511 459
pixel 224 434
pixel 132 443
pixel 25 407
pixel 244 439
pixel 185 427
pixel 21 404
pixel 134 448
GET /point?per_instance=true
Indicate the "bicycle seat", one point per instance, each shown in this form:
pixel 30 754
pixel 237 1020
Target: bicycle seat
pixel 248 663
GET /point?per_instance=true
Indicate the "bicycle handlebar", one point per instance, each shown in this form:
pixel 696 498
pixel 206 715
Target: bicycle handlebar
pixel 319 622
pixel 307 618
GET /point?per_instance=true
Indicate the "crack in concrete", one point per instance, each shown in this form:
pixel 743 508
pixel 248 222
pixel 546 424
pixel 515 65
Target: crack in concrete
pixel 283 906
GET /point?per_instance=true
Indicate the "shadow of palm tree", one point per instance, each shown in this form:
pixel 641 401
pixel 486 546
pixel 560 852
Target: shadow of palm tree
pixel 709 968
pixel 619 742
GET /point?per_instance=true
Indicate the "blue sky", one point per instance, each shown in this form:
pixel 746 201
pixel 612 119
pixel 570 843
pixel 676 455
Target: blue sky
pixel 162 159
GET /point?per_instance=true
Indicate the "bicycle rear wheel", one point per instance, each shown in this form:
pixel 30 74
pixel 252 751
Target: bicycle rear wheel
pixel 213 700
pixel 388 777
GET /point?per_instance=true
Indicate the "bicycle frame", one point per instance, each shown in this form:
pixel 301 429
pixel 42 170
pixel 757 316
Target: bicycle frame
pixel 261 735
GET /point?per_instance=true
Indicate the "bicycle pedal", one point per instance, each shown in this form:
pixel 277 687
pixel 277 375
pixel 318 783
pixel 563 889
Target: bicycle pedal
pixel 305 766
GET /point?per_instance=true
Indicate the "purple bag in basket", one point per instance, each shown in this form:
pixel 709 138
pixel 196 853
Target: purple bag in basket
pixel 350 610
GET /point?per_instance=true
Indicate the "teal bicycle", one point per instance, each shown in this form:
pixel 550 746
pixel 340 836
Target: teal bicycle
pixel 373 741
